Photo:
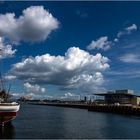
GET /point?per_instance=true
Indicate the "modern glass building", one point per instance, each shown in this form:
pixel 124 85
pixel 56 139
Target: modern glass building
pixel 120 97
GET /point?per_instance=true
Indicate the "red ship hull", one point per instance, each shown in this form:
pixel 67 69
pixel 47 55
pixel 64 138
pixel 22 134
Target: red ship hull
pixel 8 112
pixel 6 117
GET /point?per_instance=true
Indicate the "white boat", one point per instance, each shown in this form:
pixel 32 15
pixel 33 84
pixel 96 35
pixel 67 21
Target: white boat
pixel 8 112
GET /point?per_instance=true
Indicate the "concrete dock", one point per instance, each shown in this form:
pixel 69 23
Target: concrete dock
pixel 121 109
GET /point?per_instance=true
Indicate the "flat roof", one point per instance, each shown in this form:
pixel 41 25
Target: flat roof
pixel 107 94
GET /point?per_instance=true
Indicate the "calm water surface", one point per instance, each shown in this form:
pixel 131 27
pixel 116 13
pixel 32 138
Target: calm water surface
pixel 36 121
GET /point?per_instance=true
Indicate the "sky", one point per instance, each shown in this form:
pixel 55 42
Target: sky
pixel 66 49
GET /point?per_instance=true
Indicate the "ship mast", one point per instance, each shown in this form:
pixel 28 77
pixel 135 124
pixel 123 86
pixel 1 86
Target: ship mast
pixel 2 84
pixel 3 94
pixel 1 79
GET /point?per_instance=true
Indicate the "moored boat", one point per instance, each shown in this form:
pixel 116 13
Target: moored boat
pixel 8 112
pixel 8 109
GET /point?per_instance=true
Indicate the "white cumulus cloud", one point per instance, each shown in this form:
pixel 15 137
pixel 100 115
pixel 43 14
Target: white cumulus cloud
pixel 75 69
pixel 6 49
pixel 70 96
pixel 33 88
pixel 101 43
pixel 35 24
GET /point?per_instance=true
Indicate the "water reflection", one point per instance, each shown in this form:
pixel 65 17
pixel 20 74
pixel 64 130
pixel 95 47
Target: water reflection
pixel 7 132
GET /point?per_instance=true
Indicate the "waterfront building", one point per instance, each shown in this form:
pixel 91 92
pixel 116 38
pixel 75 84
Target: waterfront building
pixel 120 97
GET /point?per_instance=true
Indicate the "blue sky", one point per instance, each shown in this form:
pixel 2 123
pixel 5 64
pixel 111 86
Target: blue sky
pixel 82 48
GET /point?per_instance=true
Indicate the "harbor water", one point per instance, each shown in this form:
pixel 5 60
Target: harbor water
pixel 49 122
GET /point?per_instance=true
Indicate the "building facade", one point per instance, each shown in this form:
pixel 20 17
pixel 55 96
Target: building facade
pixel 120 97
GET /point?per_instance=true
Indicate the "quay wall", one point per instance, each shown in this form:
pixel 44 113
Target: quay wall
pixel 121 109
